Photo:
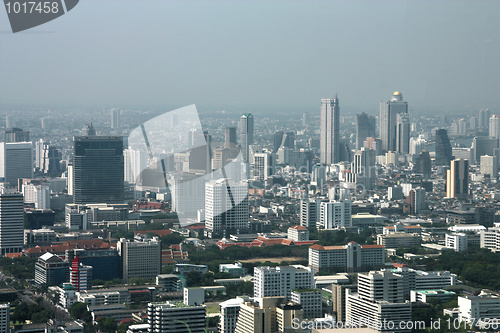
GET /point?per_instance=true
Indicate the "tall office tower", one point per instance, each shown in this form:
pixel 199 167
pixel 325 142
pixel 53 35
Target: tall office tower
pixel 16 135
pixel 330 132
pixel 305 119
pixel 403 133
pixel 457 179
pixel 135 161
pixel 283 139
pixel 11 223
pixel 443 148
pixel 335 214
pixel 115 118
pixel 375 144
pixel 230 137
pixel 80 275
pixel 280 281
pixel 365 128
pixel 309 212
pixel 338 299
pixel 246 134
pixel 265 165
pixel 173 318
pixel 51 270
pixel 388 120
pixel 495 126
pixel 417 200
pixel 484 117
pixel 379 300
pixel 226 208
pixel 473 123
pixel 417 145
pixel 16 161
pixel 482 145
pixel 423 164
pixel 363 167
pixel 9 122
pixel 489 166
pixel 140 259
pixel 98 169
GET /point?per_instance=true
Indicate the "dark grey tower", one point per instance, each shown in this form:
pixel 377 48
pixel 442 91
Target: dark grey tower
pixel 98 169
pixel 230 137
pixel 388 120
pixel 365 128
pixel 443 148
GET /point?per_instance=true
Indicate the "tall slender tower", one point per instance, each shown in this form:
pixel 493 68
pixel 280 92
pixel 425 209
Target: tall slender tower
pixel 330 133
pixel 246 134
pixel 365 127
pixel 388 120
pixel 457 179
pixel 403 133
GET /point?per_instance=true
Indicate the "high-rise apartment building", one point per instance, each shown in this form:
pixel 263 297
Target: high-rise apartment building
pixel 484 117
pixel 265 165
pixel 457 179
pixel 365 128
pixel 39 195
pixel 309 212
pixel 489 166
pixel 494 126
pixel 16 161
pixel 11 223
pixel 135 161
pixel 364 168
pixel 226 208
pixel 417 200
pixel 47 158
pixel 246 134
pixel 379 302
pixel 335 214
pixel 330 131
pixel 388 120
pixel 280 281
pixel 98 169
pixel 140 259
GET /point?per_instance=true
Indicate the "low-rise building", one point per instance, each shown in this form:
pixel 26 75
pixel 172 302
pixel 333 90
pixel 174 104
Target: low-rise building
pixel 176 317
pixel 298 233
pixel 399 239
pixel 479 308
pixel 425 296
pixel 457 241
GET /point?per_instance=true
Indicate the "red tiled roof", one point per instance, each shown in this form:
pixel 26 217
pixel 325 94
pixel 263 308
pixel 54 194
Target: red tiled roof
pixel 86 244
pixel 196 227
pixel 374 246
pixel 160 233
pixel 298 227
pixel 14 255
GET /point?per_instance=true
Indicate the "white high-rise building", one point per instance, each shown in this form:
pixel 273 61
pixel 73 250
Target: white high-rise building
pixel 364 167
pixel 115 118
pixel 495 126
pixel 229 311
pixel 309 212
pixel 135 161
pixel 457 241
pixel 490 239
pixel 226 207
pixel 16 161
pixel 280 281
pixel 489 165
pixel 403 133
pixel 265 165
pixel 388 120
pixel 379 302
pixel 417 145
pixel 38 195
pixel 172 318
pixel 335 214
pixel 11 223
pixel 330 131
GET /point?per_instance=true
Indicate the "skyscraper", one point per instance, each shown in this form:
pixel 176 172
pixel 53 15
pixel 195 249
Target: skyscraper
pixel 388 120
pixel 226 208
pixel 364 167
pixel 230 137
pixel 365 128
pixel 98 169
pixel 115 118
pixel 403 133
pixel 443 148
pixel 330 133
pixel 484 116
pixel 282 139
pixel 16 161
pixel 246 134
pixel 11 223
pixel 423 164
pixel 16 135
pixel 495 126
pixel 140 259
pixel 457 179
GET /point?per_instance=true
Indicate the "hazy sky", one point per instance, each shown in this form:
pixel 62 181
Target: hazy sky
pixel 258 56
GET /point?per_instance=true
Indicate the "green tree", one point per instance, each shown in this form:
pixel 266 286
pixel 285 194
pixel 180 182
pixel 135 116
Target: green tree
pixel 80 311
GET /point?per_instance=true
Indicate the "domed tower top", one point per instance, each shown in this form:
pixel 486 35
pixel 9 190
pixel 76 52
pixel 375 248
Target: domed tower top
pixel 397 96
